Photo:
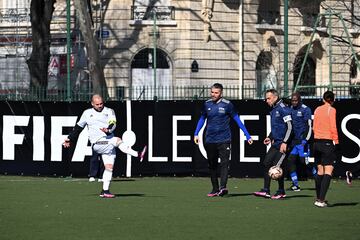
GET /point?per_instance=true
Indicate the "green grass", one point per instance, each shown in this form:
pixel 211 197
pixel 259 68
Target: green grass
pixel 171 208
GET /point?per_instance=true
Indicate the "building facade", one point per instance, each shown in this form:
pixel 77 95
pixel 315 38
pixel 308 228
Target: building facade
pixel 152 47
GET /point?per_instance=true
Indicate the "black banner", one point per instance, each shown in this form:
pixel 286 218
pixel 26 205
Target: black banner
pixel 32 134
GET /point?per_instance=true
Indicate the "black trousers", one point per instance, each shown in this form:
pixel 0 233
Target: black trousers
pixel 272 157
pixel 215 151
pixel 96 165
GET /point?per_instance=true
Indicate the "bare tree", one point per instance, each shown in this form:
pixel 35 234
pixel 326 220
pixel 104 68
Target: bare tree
pixel 40 16
pixel 92 46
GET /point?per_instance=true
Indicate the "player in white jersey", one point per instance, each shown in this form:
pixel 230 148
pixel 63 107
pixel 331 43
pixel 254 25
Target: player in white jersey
pixel 101 123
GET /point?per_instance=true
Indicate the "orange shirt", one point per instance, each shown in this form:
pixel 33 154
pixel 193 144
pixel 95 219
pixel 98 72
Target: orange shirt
pixel 325 123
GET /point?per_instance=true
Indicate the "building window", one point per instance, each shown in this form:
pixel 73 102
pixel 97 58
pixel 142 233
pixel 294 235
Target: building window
pixel 269 12
pixel 355 14
pixel 265 73
pixel 354 77
pixel 307 76
pixel 145 10
pixel 16 4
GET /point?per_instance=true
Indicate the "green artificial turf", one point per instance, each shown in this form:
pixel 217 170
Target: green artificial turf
pixel 171 208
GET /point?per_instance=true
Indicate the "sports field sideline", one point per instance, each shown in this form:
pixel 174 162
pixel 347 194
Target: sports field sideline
pixel 171 208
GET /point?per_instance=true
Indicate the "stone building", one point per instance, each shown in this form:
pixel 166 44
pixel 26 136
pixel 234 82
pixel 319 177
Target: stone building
pixel 239 43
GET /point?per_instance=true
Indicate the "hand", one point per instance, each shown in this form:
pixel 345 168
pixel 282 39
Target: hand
pixel 196 139
pixel 250 141
pixel 283 147
pixel 66 143
pixel 267 141
pixel 105 130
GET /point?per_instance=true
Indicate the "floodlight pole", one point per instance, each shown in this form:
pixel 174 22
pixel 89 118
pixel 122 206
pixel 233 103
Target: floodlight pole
pixel 154 51
pixel 68 45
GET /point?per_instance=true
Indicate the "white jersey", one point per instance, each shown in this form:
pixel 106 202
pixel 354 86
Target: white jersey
pixel 95 120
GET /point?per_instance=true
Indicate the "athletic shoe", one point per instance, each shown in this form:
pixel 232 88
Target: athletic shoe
pixel 213 194
pixel 278 195
pixel 100 180
pixel 295 188
pixel 320 204
pixel 223 192
pixel 142 153
pixel 106 194
pixel 348 177
pixel 91 179
pixel 263 193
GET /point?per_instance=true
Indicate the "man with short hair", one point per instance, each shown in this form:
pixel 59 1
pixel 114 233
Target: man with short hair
pixel 279 138
pixel 217 111
pixel 302 129
pixel 101 123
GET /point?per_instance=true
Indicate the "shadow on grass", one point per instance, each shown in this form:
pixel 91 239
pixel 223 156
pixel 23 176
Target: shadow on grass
pixel 343 204
pixel 129 195
pixel 124 180
pixel 238 194
pixel 310 189
pixel 299 196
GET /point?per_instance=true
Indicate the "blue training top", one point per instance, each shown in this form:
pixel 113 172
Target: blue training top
pixel 218 116
pixel 300 115
pixel 281 125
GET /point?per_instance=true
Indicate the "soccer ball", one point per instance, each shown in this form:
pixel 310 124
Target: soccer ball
pixel 275 172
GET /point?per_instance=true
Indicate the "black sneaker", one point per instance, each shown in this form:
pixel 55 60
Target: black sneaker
pixel 348 177
pixel 295 188
pixel 223 192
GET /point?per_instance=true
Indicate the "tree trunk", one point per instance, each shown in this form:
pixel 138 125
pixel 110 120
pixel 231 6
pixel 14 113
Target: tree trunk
pixel 92 47
pixel 40 16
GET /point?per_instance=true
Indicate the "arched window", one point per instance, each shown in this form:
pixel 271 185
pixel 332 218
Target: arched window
pixel 149 80
pixel 308 76
pixel 265 73
pixel 354 77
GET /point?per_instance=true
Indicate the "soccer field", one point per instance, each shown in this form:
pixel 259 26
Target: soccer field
pixel 171 208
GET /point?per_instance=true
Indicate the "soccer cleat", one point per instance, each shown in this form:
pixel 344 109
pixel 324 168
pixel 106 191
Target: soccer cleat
pixel 348 177
pixel 278 195
pixel 295 188
pixel 91 179
pixel 223 192
pixel 262 193
pixel 100 180
pixel 106 194
pixel 213 193
pixel 320 204
pixel 142 153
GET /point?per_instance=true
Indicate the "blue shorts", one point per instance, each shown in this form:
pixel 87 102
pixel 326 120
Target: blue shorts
pixel 298 150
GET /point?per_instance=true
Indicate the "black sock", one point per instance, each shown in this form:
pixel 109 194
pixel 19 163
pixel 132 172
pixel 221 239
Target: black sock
pixel 325 183
pixel 267 180
pixel 318 180
pixel 214 179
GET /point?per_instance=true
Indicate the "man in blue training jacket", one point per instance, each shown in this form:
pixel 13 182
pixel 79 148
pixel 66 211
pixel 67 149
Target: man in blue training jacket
pixel 279 138
pixel 302 129
pixel 217 111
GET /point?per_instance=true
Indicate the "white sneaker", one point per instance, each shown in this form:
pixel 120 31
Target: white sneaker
pixel 100 180
pixel 91 179
pixel 320 204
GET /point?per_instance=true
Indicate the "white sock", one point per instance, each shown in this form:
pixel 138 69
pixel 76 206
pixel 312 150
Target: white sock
pixel 128 150
pixel 107 175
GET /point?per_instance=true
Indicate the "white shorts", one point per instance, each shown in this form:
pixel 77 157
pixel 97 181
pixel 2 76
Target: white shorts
pixel 106 147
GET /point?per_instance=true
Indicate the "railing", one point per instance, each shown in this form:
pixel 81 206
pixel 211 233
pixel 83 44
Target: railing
pixel 167 93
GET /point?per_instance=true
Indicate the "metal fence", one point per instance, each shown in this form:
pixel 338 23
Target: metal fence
pixel 167 93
